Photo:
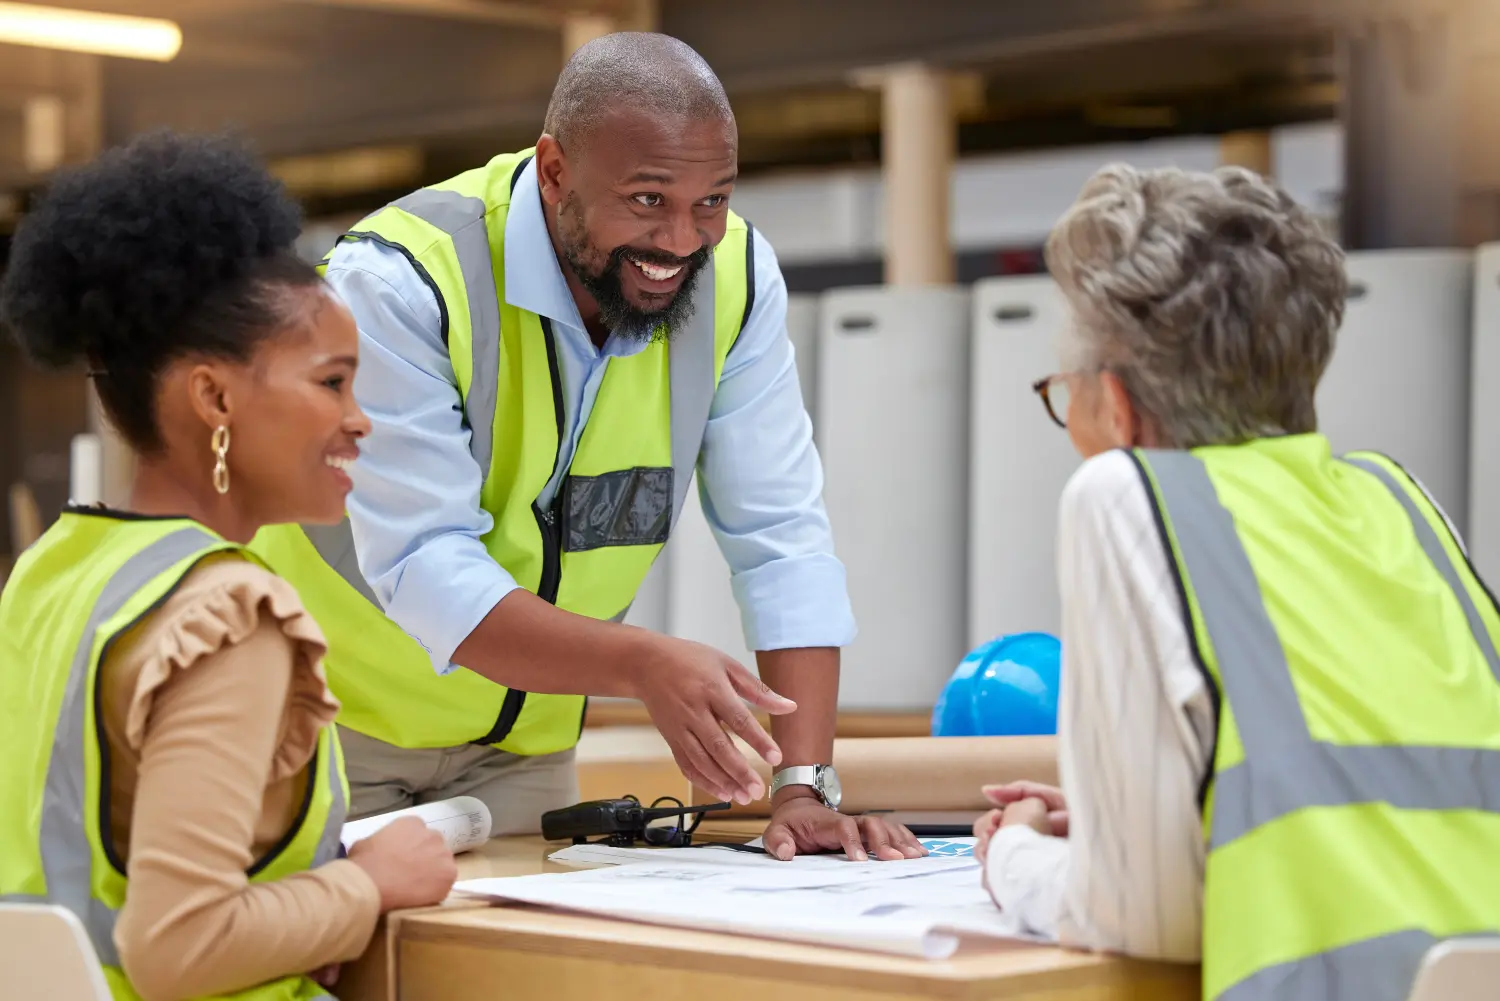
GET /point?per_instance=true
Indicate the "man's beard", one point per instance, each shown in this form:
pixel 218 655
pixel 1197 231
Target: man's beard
pixel 616 311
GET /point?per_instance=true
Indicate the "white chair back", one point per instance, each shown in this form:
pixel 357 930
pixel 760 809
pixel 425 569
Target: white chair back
pixel 1460 970
pixel 45 955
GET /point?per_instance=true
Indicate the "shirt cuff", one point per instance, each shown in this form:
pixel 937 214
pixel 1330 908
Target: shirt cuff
pixel 800 601
pixel 1026 873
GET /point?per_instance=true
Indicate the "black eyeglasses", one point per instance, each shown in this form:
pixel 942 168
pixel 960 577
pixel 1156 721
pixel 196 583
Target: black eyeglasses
pixel 1053 390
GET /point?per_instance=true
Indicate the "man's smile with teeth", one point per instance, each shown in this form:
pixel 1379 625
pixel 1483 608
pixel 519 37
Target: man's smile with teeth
pixel 656 272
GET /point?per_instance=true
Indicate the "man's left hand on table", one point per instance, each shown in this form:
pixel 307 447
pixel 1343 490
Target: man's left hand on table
pixel 802 825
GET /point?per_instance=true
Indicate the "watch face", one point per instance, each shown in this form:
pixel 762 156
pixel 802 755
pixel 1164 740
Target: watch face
pixel 833 792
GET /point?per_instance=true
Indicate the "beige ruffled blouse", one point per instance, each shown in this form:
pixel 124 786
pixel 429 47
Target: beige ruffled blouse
pixel 211 709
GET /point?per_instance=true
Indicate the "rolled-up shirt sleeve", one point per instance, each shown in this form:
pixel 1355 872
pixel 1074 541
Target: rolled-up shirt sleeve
pixel 414 511
pixel 761 483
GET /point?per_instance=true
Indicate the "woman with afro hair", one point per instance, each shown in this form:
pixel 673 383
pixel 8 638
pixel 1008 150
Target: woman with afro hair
pixel 171 773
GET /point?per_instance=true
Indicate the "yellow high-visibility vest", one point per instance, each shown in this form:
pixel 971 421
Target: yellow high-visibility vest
pixel 91 578
pixel 589 551
pixel 1353 812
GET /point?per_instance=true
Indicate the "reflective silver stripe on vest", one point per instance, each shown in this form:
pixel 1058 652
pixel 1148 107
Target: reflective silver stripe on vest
pixel 1376 969
pixel 462 218
pixel 329 841
pixel 67 855
pixel 691 358
pixel 335 543
pixel 1284 768
pixel 1313 773
pixel 1430 544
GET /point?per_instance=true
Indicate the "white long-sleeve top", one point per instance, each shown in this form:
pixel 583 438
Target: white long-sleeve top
pixel 1136 737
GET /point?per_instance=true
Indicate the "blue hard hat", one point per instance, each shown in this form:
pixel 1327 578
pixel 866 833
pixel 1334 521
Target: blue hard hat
pixel 1006 687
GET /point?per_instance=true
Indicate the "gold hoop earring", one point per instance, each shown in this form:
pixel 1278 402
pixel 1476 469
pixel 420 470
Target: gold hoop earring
pixel 220 446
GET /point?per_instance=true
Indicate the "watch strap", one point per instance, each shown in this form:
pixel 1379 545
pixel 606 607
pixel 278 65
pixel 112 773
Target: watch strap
pixel 795 775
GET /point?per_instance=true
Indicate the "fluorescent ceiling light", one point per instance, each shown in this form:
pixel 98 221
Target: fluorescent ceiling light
pixel 87 31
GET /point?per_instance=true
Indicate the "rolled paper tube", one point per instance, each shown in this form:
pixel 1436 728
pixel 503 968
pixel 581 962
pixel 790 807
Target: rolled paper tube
pixel 921 773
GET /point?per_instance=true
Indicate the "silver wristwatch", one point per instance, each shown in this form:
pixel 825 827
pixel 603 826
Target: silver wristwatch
pixel 822 778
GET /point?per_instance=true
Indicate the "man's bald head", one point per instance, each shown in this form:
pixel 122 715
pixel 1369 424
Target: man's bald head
pixel 653 75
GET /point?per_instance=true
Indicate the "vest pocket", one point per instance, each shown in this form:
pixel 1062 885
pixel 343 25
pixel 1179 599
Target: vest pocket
pixel 628 507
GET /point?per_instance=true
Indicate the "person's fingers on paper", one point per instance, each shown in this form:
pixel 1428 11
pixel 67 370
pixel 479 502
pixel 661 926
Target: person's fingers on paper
pixel 738 719
pixel 850 837
pixel 984 829
pixel 876 836
pixel 1010 792
pixel 779 842
pixel 911 846
pixel 1029 812
pixel 325 976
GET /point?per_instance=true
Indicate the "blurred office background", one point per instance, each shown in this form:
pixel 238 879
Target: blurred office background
pixel 907 160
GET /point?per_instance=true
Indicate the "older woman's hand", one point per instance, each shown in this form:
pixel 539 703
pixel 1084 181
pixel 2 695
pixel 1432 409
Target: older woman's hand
pixel 1055 807
pixel 984 829
pixel 1029 812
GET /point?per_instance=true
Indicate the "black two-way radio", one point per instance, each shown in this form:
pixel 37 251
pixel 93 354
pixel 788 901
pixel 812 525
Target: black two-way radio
pixel 623 822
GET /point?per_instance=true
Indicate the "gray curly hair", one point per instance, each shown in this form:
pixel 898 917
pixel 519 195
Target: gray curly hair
pixel 1213 297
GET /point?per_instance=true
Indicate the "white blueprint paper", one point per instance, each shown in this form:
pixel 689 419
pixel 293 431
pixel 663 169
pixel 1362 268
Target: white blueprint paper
pixel 915 907
pixel 597 855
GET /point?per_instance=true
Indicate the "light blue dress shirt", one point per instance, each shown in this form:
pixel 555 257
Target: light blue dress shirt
pixel 415 511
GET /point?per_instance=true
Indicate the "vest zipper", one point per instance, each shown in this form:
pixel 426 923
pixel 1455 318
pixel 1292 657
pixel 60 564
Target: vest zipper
pixel 548 523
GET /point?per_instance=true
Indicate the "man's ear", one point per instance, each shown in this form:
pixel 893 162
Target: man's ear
pixel 551 170
pixel 209 391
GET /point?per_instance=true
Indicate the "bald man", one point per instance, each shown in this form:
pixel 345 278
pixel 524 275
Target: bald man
pixel 551 345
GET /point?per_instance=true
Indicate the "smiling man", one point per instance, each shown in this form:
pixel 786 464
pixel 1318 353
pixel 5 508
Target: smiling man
pixel 552 345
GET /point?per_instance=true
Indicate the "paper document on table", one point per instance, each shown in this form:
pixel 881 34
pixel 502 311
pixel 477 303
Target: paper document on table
pixel 597 855
pixel 915 907
pixel 463 821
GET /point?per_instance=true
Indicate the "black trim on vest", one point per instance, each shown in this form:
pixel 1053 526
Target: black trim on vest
pixel 516 174
pixel 749 275
pixel 314 772
pixel 416 266
pixel 549 526
pixel 1449 531
pixel 1187 619
pixel 106 837
pixel 115 514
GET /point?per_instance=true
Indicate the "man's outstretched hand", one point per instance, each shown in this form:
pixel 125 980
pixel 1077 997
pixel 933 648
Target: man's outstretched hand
pixel 697 697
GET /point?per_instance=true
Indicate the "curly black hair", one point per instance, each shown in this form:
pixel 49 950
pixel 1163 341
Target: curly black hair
pixel 170 246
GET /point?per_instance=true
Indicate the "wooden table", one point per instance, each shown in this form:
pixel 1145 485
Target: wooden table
pixel 466 950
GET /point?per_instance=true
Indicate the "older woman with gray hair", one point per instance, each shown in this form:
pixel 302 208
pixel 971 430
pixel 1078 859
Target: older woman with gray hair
pixel 1280 725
